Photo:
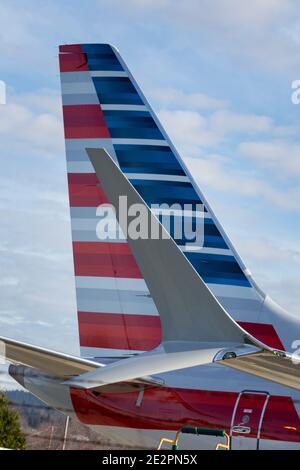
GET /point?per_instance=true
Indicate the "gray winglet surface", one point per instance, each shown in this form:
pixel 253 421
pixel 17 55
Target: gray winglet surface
pixel 187 308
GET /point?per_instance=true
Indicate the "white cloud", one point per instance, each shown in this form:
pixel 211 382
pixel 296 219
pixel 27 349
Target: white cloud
pixel 32 123
pixel 43 100
pixel 172 97
pixel 225 122
pixel 260 32
pixel 37 289
pixel 275 266
pixel 218 172
pixel 264 250
pixel 150 4
pixel 285 291
pixel 30 130
pixel 30 33
pixel 224 13
pixel 199 137
pixel 282 157
pixel 188 129
pixel 263 32
pixel 192 131
pixel 9 281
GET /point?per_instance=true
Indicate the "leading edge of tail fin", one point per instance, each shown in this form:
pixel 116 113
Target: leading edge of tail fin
pixel 104 108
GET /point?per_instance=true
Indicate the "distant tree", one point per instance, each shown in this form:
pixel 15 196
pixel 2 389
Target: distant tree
pixel 11 435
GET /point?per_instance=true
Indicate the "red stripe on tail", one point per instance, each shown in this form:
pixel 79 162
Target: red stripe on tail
pixel 104 259
pixel 84 121
pixel 263 332
pixel 85 190
pixel 119 331
pixel 72 59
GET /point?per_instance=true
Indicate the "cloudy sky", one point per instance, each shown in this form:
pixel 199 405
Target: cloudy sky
pixel 219 75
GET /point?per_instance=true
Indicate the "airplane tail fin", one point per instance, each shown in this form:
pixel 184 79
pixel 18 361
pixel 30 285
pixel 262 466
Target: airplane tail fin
pixel 103 107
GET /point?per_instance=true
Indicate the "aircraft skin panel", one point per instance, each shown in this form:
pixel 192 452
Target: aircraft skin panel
pixel 103 107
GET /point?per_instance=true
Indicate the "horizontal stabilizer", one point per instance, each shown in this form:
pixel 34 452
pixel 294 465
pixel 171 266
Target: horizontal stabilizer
pixel 156 362
pixel 51 362
pixel 279 368
pixel 54 363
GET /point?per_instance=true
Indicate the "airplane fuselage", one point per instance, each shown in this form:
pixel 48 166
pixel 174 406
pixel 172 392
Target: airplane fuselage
pixel 257 414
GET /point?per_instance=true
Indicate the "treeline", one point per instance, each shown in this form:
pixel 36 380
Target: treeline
pixel 33 411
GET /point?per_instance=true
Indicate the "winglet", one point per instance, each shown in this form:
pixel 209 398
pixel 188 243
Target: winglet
pixel 188 310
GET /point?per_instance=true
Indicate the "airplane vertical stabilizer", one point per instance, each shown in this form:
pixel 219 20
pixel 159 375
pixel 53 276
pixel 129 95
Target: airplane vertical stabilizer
pixel 104 108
